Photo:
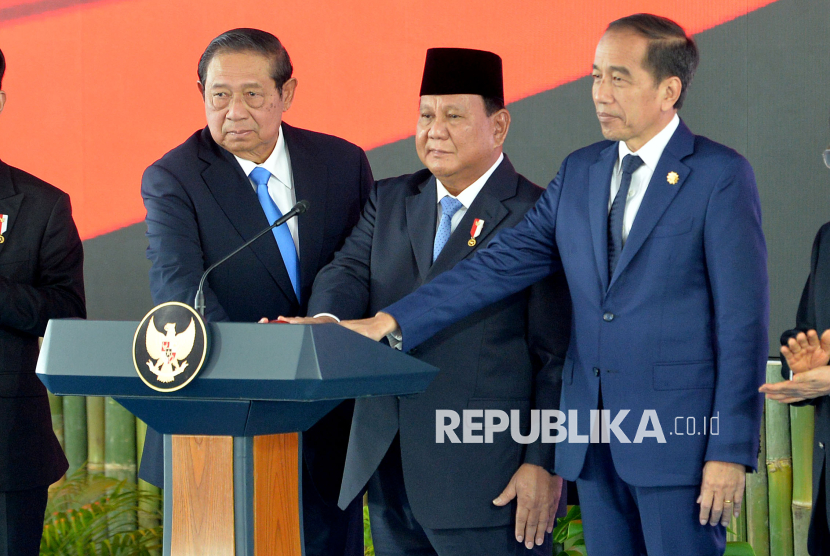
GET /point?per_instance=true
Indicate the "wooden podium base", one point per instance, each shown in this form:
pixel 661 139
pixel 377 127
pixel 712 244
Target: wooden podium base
pixel 232 496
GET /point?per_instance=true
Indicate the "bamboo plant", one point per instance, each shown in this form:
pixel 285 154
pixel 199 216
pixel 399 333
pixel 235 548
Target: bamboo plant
pixel 95 434
pixel 119 453
pixel 146 519
pixel 56 409
pixel 74 432
pixel 779 471
pixel 801 426
pixel 756 502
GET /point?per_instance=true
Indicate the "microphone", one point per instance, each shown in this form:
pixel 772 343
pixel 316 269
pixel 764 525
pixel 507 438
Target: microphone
pixel 199 302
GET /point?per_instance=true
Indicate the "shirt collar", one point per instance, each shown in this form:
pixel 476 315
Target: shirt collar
pixel 277 163
pixel 471 192
pixel 651 152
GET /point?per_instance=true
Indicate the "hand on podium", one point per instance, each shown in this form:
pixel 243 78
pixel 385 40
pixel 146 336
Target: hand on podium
pixel 299 320
pixel 376 328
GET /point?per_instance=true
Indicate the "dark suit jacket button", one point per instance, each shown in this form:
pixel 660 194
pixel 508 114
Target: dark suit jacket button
pixel 412 351
pixel 608 317
pixel 596 371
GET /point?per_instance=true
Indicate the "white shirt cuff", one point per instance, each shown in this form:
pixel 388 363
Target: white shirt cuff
pixel 326 315
pixel 395 339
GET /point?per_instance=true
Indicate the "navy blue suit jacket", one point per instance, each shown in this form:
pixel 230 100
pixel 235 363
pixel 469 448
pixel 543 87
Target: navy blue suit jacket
pixel 201 206
pixel 680 328
pixel 507 356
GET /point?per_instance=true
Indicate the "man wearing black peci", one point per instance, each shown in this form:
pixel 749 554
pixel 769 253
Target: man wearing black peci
pixel 452 499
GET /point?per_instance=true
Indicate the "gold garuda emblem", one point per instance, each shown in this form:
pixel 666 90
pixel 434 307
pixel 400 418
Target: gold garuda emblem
pixel 167 361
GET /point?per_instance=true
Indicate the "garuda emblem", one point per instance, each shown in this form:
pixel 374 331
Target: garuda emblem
pixel 168 351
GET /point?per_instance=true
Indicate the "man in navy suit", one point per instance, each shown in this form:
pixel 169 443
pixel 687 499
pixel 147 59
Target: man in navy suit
pixel 659 234
pixel 217 190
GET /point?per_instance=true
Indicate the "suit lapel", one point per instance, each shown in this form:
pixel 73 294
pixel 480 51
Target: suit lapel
pixel 10 200
pixel 421 212
pixel 599 189
pixel 310 178
pixel 659 195
pixel 487 206
pixel 233 192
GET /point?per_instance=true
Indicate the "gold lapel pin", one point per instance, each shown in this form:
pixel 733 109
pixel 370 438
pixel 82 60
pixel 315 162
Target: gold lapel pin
pixel 478 224
pixel 673 178
pixel 4 223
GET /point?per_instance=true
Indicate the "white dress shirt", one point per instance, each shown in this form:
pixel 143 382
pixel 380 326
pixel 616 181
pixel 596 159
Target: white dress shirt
pixel 466 197
pixel 650 154
pixel 281 183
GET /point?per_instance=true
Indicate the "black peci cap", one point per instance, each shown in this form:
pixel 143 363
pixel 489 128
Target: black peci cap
pixel 462 71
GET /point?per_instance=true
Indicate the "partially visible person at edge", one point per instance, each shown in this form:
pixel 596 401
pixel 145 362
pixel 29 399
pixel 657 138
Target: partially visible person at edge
pixel 41 278
pixel 437 498
pixel 218 189
pixel 659 233
pixel 806 355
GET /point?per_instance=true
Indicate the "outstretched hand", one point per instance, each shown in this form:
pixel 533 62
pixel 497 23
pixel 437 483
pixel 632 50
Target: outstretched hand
pixel 376 327
pixel 807 351
pixel 299 320
pixel 805 385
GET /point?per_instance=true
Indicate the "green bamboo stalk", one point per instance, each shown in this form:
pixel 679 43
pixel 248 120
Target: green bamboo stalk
pixel 146 507
pixel 119 453
pixel 802 421
pixel 737 526
pixel 779 471
pixel 75 436
pixel 56 408
pixel 119 442
pixel 756 505
pixel 95 434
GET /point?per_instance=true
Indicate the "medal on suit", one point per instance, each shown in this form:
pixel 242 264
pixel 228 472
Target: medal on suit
pixel 4 223
pixel 475 231
pixel 673 178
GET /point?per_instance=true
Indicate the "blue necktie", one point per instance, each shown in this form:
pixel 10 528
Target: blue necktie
pixel 449 206
pixel 285 242
pixel 617 214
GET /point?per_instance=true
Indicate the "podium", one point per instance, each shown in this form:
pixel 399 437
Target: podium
pixel 232 452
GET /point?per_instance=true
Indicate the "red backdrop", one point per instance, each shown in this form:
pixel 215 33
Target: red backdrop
pixel 98 90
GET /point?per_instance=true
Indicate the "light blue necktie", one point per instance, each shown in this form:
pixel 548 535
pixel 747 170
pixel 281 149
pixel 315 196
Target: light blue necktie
pixel 449 206
pixel 285 242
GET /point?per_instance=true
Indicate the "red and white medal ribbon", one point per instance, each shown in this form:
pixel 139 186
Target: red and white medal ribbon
pixel 475 231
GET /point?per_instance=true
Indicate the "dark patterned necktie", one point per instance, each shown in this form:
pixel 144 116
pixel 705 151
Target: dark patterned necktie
pixel 617 214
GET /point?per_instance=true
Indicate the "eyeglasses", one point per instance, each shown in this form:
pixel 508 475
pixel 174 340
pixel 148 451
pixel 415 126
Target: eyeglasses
pixel 826 156
pixel 252 99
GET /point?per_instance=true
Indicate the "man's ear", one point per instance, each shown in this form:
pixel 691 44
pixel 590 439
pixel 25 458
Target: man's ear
pixel 201 89
pixel 2 100
pixel 288 89
pixel 672 88
pixel 501 125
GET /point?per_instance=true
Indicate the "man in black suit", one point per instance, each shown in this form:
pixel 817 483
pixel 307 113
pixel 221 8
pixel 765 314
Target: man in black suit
pixel 217 190
pixel 41 278
pixel 438 498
